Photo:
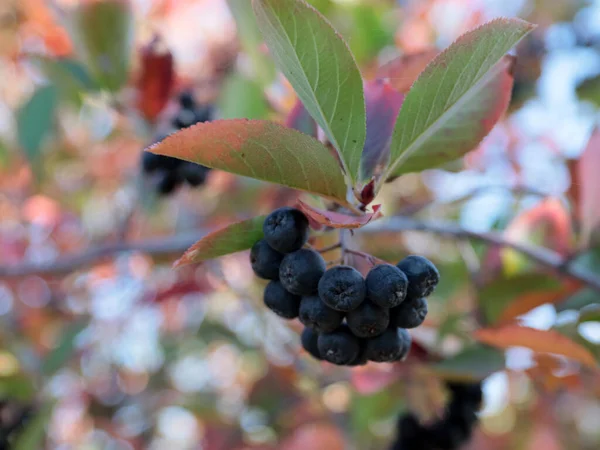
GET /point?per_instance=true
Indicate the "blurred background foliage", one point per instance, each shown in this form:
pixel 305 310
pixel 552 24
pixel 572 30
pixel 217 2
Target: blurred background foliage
pixel 104 346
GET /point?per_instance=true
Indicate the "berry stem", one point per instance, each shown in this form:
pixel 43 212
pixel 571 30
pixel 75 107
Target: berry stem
pixel 330 247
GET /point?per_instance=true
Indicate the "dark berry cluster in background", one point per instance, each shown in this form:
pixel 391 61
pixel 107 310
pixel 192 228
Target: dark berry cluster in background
pixel 170 173
pixel 452 431
pixel 349 320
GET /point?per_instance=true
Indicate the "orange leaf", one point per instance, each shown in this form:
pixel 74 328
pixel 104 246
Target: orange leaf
pixel 537 340
pixel 157 76
pixel 338 220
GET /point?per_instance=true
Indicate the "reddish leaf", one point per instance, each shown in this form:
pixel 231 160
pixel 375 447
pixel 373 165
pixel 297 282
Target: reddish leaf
pixel 262 150
pixel 587 178
pixel 338 220
pixel 403 71
pixel 315 435
pixel 383 103
pixel 299 119
pixel 156 79
pixel 549 341
pixel 367 195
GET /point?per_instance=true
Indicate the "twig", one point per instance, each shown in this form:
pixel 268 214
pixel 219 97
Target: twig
pixel 330 248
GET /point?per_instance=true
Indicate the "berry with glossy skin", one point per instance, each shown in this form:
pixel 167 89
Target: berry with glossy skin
pixel 301 271
pixel 410 314
pixel 342 288
pixel 286 229
pixel 265 261
pixel 368 320
pixel 386 347
pixel 280 301
pixel 339 347
pixel 317 315
pixel 309 340
pixel 406 343
pixel 422 275
pixel 386 285
pixel 168 182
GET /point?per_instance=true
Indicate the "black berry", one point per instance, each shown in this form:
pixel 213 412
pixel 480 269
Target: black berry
pixel 309 340
pixel 194 174
pixel 265 261
pixel 186 100
pixel 386 347
pixel 410 314
pixel 301 271
pixel 342 288
pixel 386 285
pixel 422 275
pixel 368 320
pixel 168 182
pixel 286 229
pixel 185 118
pixel 204 113
pixel 362 357
pixel 280 301
pixel 406 343
pixel 317 315
pixel 339 347
pixel 151 162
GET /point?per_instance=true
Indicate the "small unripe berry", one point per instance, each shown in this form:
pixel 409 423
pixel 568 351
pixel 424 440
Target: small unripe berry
pixel 265 261
pixel 301 271
pixel 410 314
pixel 286 229
pixel 386 285
pixel 309 340
pixel 317 315
pixel 339 347
pixel 422 275
pixel 342 288
pixel 368 320
pixel 386 347
pixel 280 301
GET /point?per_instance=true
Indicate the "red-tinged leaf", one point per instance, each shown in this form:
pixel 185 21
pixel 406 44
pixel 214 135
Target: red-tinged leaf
pixel 367 194
pixel 403 71
pixel 383 104
pixel 589 186
pixel 262 150
pixel 156 79
pixel 299 119
pixel 315 435
pixel 233 238
pixel 474 363
pixel 338 220
pixel 543 341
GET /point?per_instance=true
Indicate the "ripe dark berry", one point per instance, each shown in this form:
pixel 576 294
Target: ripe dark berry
pixel 386 347
pixel 301 271
pixel 151 162
pixel 339 347
pixel 406 343
pixel 362 357
pixel 422 275
pixel 194 174
pixel 368 320
pixel 265 261
pixel 410 314
pixel 280 301
pixel 186 100
pixel 168 182
pixel 204 113
pixel 386 285
pixel 185 118
pixel 342 288
pixel 286 229
pixel 309 340
pixel 317 315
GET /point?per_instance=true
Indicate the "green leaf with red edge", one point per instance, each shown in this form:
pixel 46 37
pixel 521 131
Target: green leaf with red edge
pixel 320 67
pixel 457 99
pixel 262 150
pixel 541 341
pixel 403 71
pixel 588 182
pixel 234 238
pixel 156 79
pixel 334 219
pixel 299 119
pixel 474 363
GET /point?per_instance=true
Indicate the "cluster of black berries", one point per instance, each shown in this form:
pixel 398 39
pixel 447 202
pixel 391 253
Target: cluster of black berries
pixel 168 172
pixel 349 319
pixel 452 431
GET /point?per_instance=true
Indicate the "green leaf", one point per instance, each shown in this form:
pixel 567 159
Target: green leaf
pixel 32 437
pixel 320 67
pixel 103 36
pixel 34 123
pixel 231 239
pixel 590 314
pixel 261 150
pixel 242 98
pixel 457 99
pixel 69 76
pixel 17 386
pixel 474 363
pixel 61 354
pixel 590 90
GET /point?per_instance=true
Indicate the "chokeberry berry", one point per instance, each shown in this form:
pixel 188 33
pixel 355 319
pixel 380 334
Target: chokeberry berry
pixel 265 261
pixel 386 347
pixel 301 271
pixel 186 100
pixel 368 320
pixel 339 347
pixel 342 288
pixel 151 162
pixel 362 357
pixel 168 182
pixel 280 301
pixel 184 118
pixel 317 315
pixel 286 229
pixel 309 339
pixel 406 343
pixel 194 174
pixel 386 285
pixel 422 275
pixel 410 314
pixel 204 113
